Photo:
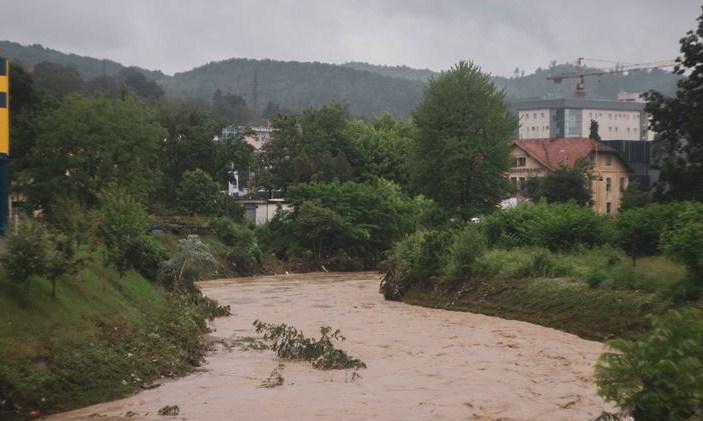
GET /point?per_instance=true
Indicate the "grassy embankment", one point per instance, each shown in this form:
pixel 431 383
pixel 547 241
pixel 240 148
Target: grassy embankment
pixel 100 339
pixel 596 294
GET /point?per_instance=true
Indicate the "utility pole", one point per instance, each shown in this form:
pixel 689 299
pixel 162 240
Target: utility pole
pixel 255 93
pixel 4 144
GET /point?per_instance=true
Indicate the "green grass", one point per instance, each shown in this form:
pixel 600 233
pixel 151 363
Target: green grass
pixel 595 293
pixel 101 338
pixel 562 303
pixel 602 267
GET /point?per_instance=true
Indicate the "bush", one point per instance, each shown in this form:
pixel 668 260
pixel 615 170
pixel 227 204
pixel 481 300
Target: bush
pixel 191 261
pixel 245 254
pixel 468 245
pixel 417 258
pixel 557 226
pixel 659 376
pixel 362 219
pixel 146 256
pixel 683 240
pixel 639 229
pixel 122 227
pixel 28 252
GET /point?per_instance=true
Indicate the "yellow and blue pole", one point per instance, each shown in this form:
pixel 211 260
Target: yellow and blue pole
pixel 4 144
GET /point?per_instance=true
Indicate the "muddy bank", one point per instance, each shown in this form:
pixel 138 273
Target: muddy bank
pixel 422 363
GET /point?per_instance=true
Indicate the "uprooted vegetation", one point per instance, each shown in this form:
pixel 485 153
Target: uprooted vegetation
pixel 274 379
pixel 290 343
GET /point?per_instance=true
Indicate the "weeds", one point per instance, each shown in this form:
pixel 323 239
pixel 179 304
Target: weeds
pixel 290 343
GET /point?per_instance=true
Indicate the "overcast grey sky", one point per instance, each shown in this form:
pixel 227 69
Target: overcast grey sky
pixel 499 35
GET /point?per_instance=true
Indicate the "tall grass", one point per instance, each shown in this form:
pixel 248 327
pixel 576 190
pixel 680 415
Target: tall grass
pixel 604 267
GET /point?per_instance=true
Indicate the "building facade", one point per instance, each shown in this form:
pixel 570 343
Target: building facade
pixel 539 157
pixel 571 118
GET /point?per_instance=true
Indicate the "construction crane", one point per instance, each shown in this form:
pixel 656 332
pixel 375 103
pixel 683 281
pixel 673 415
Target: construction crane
pixel 580 74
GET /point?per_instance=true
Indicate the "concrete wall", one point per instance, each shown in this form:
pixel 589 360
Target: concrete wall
pixel 534 124
pixel 614 124
pixel 607 166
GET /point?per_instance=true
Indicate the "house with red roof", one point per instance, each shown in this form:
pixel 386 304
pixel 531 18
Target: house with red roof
pixel 538 157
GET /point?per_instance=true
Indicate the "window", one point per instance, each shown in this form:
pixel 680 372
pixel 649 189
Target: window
pixel 610 115
pixel 3 67
pixel 3 100
pixel 608 208
pixel 541 115
pixel 521 161
pixel 521 182
pixel 608 184
pixel 527 116
pixel 622 184
pixel 514 181
pixel 608 161
pixel 534 115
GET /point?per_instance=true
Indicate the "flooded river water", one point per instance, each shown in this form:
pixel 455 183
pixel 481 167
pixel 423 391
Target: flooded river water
pixel 422 363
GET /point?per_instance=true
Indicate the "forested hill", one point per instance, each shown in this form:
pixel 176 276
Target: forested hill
pixel 536 85
pixel 88 67
pixel 404 72
pixel 367 89
pixel 297 85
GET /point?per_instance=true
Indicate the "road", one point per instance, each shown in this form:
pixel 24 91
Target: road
pixel 422 363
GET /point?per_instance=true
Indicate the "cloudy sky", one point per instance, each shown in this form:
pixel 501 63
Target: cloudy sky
pixel 499 35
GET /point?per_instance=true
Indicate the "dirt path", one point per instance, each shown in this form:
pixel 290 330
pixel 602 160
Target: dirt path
pixel 422 363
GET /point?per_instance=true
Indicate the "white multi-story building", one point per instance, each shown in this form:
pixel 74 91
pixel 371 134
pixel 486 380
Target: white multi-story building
pixel 571 118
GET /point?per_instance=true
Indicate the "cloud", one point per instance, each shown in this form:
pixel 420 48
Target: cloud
pixel 499 35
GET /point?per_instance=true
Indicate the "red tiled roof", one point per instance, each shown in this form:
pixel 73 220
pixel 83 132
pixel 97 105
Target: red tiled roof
pixel 552 153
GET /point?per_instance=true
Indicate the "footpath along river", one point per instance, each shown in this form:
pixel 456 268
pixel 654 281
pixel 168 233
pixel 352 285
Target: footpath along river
pixel 422 363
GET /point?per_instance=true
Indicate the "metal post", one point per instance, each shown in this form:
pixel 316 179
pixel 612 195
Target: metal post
pixel 4 144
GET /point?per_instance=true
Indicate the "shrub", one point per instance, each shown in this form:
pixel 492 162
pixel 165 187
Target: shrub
pixel 146 255
pixel 363 219
pixel 639 229
pixel 468 244
pixel 244 254
pixel 28 252
pixel 289 343
pixel 417 258
pixel 557 226
pixel 659 376
pixel 683 240
pixel 191 261
pixel 122 226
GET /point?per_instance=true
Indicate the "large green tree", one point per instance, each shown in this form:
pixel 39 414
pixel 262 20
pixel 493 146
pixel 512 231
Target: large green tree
pixel 460 156
pixel 86 144
pixel 311 146
pixel 678 123
pixel 384 144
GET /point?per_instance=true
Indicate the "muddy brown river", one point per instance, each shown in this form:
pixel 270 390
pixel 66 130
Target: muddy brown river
pixel 422 363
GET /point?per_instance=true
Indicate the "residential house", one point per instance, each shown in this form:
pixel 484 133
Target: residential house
pixel 538 157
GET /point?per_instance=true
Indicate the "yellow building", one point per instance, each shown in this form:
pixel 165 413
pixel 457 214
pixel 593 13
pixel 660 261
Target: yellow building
pixel 538 157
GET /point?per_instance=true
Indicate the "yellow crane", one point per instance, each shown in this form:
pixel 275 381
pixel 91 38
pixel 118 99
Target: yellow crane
pixel 581 73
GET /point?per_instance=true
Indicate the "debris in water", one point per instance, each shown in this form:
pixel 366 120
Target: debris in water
pixel 275 379
pixel 170 410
